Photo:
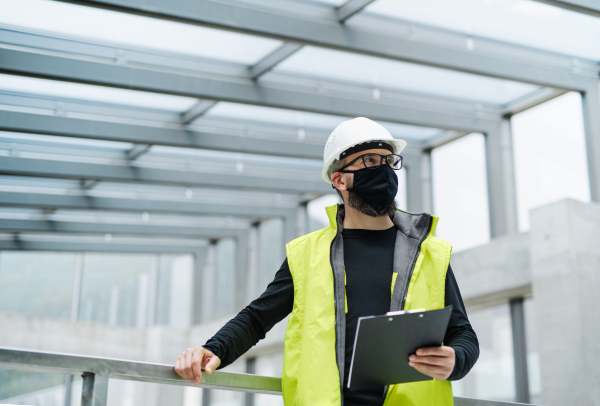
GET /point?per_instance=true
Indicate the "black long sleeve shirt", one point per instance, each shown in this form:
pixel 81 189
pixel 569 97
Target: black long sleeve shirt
pixel 368 259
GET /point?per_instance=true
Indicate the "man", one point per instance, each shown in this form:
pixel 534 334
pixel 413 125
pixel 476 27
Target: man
pixel 372 259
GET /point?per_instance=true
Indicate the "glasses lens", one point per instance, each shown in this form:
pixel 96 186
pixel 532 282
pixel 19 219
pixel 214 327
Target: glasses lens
pixel 394 161
pixel 372 160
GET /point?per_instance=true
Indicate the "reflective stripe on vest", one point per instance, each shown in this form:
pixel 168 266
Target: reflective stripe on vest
pixel 315 337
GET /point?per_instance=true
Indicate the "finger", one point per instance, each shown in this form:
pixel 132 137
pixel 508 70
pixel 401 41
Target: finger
pixel 441 361
pixel 428 370
pixel 440 351
pixel 212 364
pixel 179 366
pixel 189 375
pixel 197 355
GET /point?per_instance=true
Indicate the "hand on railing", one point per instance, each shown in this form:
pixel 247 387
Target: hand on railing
pixel 190 363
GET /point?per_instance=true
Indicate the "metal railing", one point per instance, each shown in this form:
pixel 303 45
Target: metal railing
pixel 96 371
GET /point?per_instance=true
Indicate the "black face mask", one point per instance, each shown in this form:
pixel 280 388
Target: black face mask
pixel 378 186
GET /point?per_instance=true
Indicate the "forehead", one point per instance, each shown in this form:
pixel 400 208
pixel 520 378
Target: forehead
pixel 380 151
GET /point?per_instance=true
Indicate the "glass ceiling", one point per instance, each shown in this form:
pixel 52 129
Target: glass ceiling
pixel 379 72
pixel 55 88
pixel 522 22
pixel 305 119
pixel 133 30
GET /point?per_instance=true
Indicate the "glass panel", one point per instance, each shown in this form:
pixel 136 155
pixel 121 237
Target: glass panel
pixel 37 283
pixel 225 280
pixel 374 71
pixel 227 397
pixel 174 292
pixel 301 119
pixel 113 285
pixel 550 155
pixel 492 377
pixel 271 250
pixel 531 23
pixel 460 192
pixel 533 356
pixel 137 31
pixel 269 365
pixel 81 91
pixel 29 388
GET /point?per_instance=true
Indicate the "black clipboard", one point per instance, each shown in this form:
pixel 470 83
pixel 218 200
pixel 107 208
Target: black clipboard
pixel 383 344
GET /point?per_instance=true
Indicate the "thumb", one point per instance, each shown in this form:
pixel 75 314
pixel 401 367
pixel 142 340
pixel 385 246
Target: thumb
pixel 212 364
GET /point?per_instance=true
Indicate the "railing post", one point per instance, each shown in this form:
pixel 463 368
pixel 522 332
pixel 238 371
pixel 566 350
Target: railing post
pixel 517 316
pixel 95 390
pixel 250 369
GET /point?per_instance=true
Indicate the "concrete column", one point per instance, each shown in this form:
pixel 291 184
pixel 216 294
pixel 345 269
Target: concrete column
pixel 501 180
pixel 209 274
pixel 591 117
pixel 253 262
pixel 302 220
pixel 197 294
pixel 565 263
pixel 419 196
pixel 241 271
pixel 290 230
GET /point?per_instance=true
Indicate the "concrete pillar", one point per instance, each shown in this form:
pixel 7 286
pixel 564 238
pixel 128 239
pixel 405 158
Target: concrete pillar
pixel 501 180
pixel 565 263
pixel 198 282
pixel 419 196
pixel 209 274
pixel 517 318
pixel 241 271
pixel 591 117
pixel 253 262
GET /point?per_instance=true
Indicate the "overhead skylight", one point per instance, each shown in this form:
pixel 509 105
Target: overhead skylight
pixel 95 93
pixel 380 72
pixel 521 22
pixel 137 31
pixel 301 119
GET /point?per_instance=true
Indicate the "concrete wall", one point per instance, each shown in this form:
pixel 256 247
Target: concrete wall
pixel 565 262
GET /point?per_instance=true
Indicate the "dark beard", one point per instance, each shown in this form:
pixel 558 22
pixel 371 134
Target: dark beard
pixel 370 209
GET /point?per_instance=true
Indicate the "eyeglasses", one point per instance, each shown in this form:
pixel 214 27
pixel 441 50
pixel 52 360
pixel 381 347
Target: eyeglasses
pixel 374 161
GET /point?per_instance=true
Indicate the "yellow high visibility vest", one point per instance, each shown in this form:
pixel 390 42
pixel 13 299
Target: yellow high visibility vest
pixel 313 364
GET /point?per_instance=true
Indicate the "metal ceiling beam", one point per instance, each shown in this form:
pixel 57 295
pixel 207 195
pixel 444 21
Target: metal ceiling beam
pixel 273 59
pixel 134 174
pixel 51 226
pixel 244 18
pixel 197 111
pixel 79 69
pixel 591 7
pixel 116 246
pixel 350 8
pixel 43 200
pixel 111 131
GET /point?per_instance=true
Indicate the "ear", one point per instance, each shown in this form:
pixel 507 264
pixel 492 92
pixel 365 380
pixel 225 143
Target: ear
pixel 339 181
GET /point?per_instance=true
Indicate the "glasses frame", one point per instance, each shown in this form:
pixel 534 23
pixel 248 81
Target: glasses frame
pixel 342 169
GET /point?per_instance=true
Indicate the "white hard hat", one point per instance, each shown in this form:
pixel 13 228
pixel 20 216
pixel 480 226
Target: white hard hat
pixel 353 132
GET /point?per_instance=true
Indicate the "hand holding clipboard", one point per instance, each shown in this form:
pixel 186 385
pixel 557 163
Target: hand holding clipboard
pixel 383 345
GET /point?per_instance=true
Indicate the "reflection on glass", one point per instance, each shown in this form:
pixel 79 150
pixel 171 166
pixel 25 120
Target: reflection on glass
pixel 37 283
pixel 460 192
pixel 493 375
pixel 271 250
pixel 225 278
pixel 550 155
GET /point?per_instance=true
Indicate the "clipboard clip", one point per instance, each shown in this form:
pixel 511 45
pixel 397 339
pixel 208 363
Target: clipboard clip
pixel 399 312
